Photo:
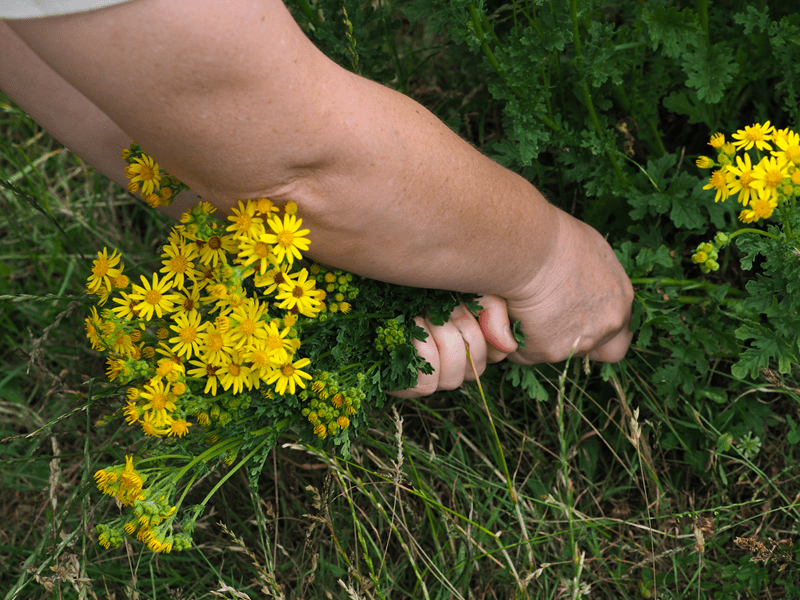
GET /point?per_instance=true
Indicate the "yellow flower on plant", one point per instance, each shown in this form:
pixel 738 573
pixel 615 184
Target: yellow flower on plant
pixel 188 327
pixel 289 375
pixel 249 325
pixel 770 171
pixel 718 181
pixel 255 250
pixel 756 134
pixel 287 238
pixel 178 262
pixel 103 270
pixel 154 298
pixel 760 208
pixel 235 374
pixel 789 143
pixel 272 279
pixel 717 141
pixel 741 180
pixel 150 426
pixel 179 427
pixel 203 370
pixel 245 223
pixel 145 171
pixel 300 294
pixel 215 250
pixel 703 162
pixel 216 346
pixel 130 483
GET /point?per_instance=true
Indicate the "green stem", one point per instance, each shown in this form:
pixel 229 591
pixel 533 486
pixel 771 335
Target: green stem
pixel 476 24
pixel 702 11
pixel 587 96
pixel 666 281
pixel 752 230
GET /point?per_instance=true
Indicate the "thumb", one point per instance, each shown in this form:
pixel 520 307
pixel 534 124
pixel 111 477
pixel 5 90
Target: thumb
pixel 495 327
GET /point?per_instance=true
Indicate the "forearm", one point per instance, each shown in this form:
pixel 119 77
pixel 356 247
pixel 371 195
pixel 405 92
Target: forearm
pixel 240 104
pixel 66 114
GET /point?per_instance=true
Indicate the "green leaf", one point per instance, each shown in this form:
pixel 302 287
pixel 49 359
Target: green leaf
pixel 524 377
pixel 709 71
pixel 519 335
pixel 673 29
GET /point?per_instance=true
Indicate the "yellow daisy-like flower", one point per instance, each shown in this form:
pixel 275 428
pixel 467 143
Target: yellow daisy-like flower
pixel 152 427
pixel 189 302
pixel 157 396
pixel 741 180
pixel 259 356
pixel 760 208
pixel 718 181
pixel 272 279
pixel 245 223
pixel 717 141
pixel 756 134
pixel 289 375
pixel 216 346
pixel 130 483
pixel 235 374
pixel 103 270
pixel 249 325
pixel 789 143
pixel 93 327
pixel 154 298
pixel 703 162
pixel 145 171
pixel 287 238
pixel 770 171
pixel 256 250
pixel 203 370
pixel 178 262
pixel 188 327
pixel 179 428
pixel 127 307
pixel 299 294
pixel 215 250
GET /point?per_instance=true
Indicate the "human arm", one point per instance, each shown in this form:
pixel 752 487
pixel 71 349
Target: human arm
pixel 241 104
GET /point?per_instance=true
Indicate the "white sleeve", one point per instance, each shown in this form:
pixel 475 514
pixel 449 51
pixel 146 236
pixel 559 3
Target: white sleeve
pixel 26 9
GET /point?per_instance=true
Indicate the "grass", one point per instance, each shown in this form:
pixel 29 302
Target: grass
pixel 602 490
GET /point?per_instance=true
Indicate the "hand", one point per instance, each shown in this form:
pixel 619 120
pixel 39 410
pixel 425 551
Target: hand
pixel 578 303
pixel 488 338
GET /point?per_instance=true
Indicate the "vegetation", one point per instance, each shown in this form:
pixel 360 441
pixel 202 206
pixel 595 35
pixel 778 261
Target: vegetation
pixel 670 475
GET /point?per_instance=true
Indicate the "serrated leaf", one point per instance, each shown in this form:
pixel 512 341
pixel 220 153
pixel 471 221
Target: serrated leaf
pixel 674 29
pixel 709 71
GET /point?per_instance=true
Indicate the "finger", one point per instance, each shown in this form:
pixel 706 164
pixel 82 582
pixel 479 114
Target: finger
pixel 473 338
pixel 452 354
pixel 496 328
pixel 426 384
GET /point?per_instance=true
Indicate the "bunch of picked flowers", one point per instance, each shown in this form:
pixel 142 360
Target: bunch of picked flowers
pixel 231 341
pixel 760 168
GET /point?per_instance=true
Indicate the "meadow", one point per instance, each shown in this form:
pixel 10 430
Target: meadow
pixel 669 475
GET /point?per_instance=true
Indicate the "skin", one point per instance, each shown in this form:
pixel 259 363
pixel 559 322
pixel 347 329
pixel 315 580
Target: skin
pixel 235 101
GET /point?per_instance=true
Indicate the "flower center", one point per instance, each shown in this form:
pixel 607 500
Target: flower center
pixel 248 327
pixel 718 180
pixel 179 264
pixel 215 343
pixel 773 178
pixel 100 267
pixel 243 222
pixel 285 238
pixel 234 369
pixel 793 154
pixel 153 297
pixel 260 358
pixel 287 370
pixel 274 342
pixel 188 335
pixel 188 304
pixel 215 243
pixel 261 250
pixel 159 401
pixel 746 179
pixel 298 292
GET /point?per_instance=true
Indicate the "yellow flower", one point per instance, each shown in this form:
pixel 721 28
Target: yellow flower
pixel 204 370
pixel 287 238
pixel 179 427
pixel 756 134
pixel 770 171
pixel 216 346
pixel 103 270
pixel 789 143
pixel 741 180
pixel 760 208
pixel 178 262
pixel 703 162
pixel 144 170
pixel 188 327
pixel 249 325
pixel 235 374
pixel 216 249
pixel 300 294
pixel 130 483
pixel 289 375
pixel 244 221
pixel 154 298
pixel 255 250
pixel 717 141
pixel 719 182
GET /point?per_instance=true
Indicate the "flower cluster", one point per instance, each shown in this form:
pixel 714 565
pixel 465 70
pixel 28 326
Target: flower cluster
pixel 231 340
pixel 157 188
pixel 760 186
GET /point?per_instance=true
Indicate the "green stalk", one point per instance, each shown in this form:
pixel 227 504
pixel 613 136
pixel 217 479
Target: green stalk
pixel 476 24
pixel 587 96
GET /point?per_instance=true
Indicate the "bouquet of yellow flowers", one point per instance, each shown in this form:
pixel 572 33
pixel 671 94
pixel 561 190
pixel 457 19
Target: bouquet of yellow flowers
pixel 233 341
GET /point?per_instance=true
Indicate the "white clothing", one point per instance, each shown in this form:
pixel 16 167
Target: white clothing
pixel 26 9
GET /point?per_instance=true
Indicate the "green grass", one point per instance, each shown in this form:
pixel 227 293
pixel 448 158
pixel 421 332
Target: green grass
pixel 604 488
